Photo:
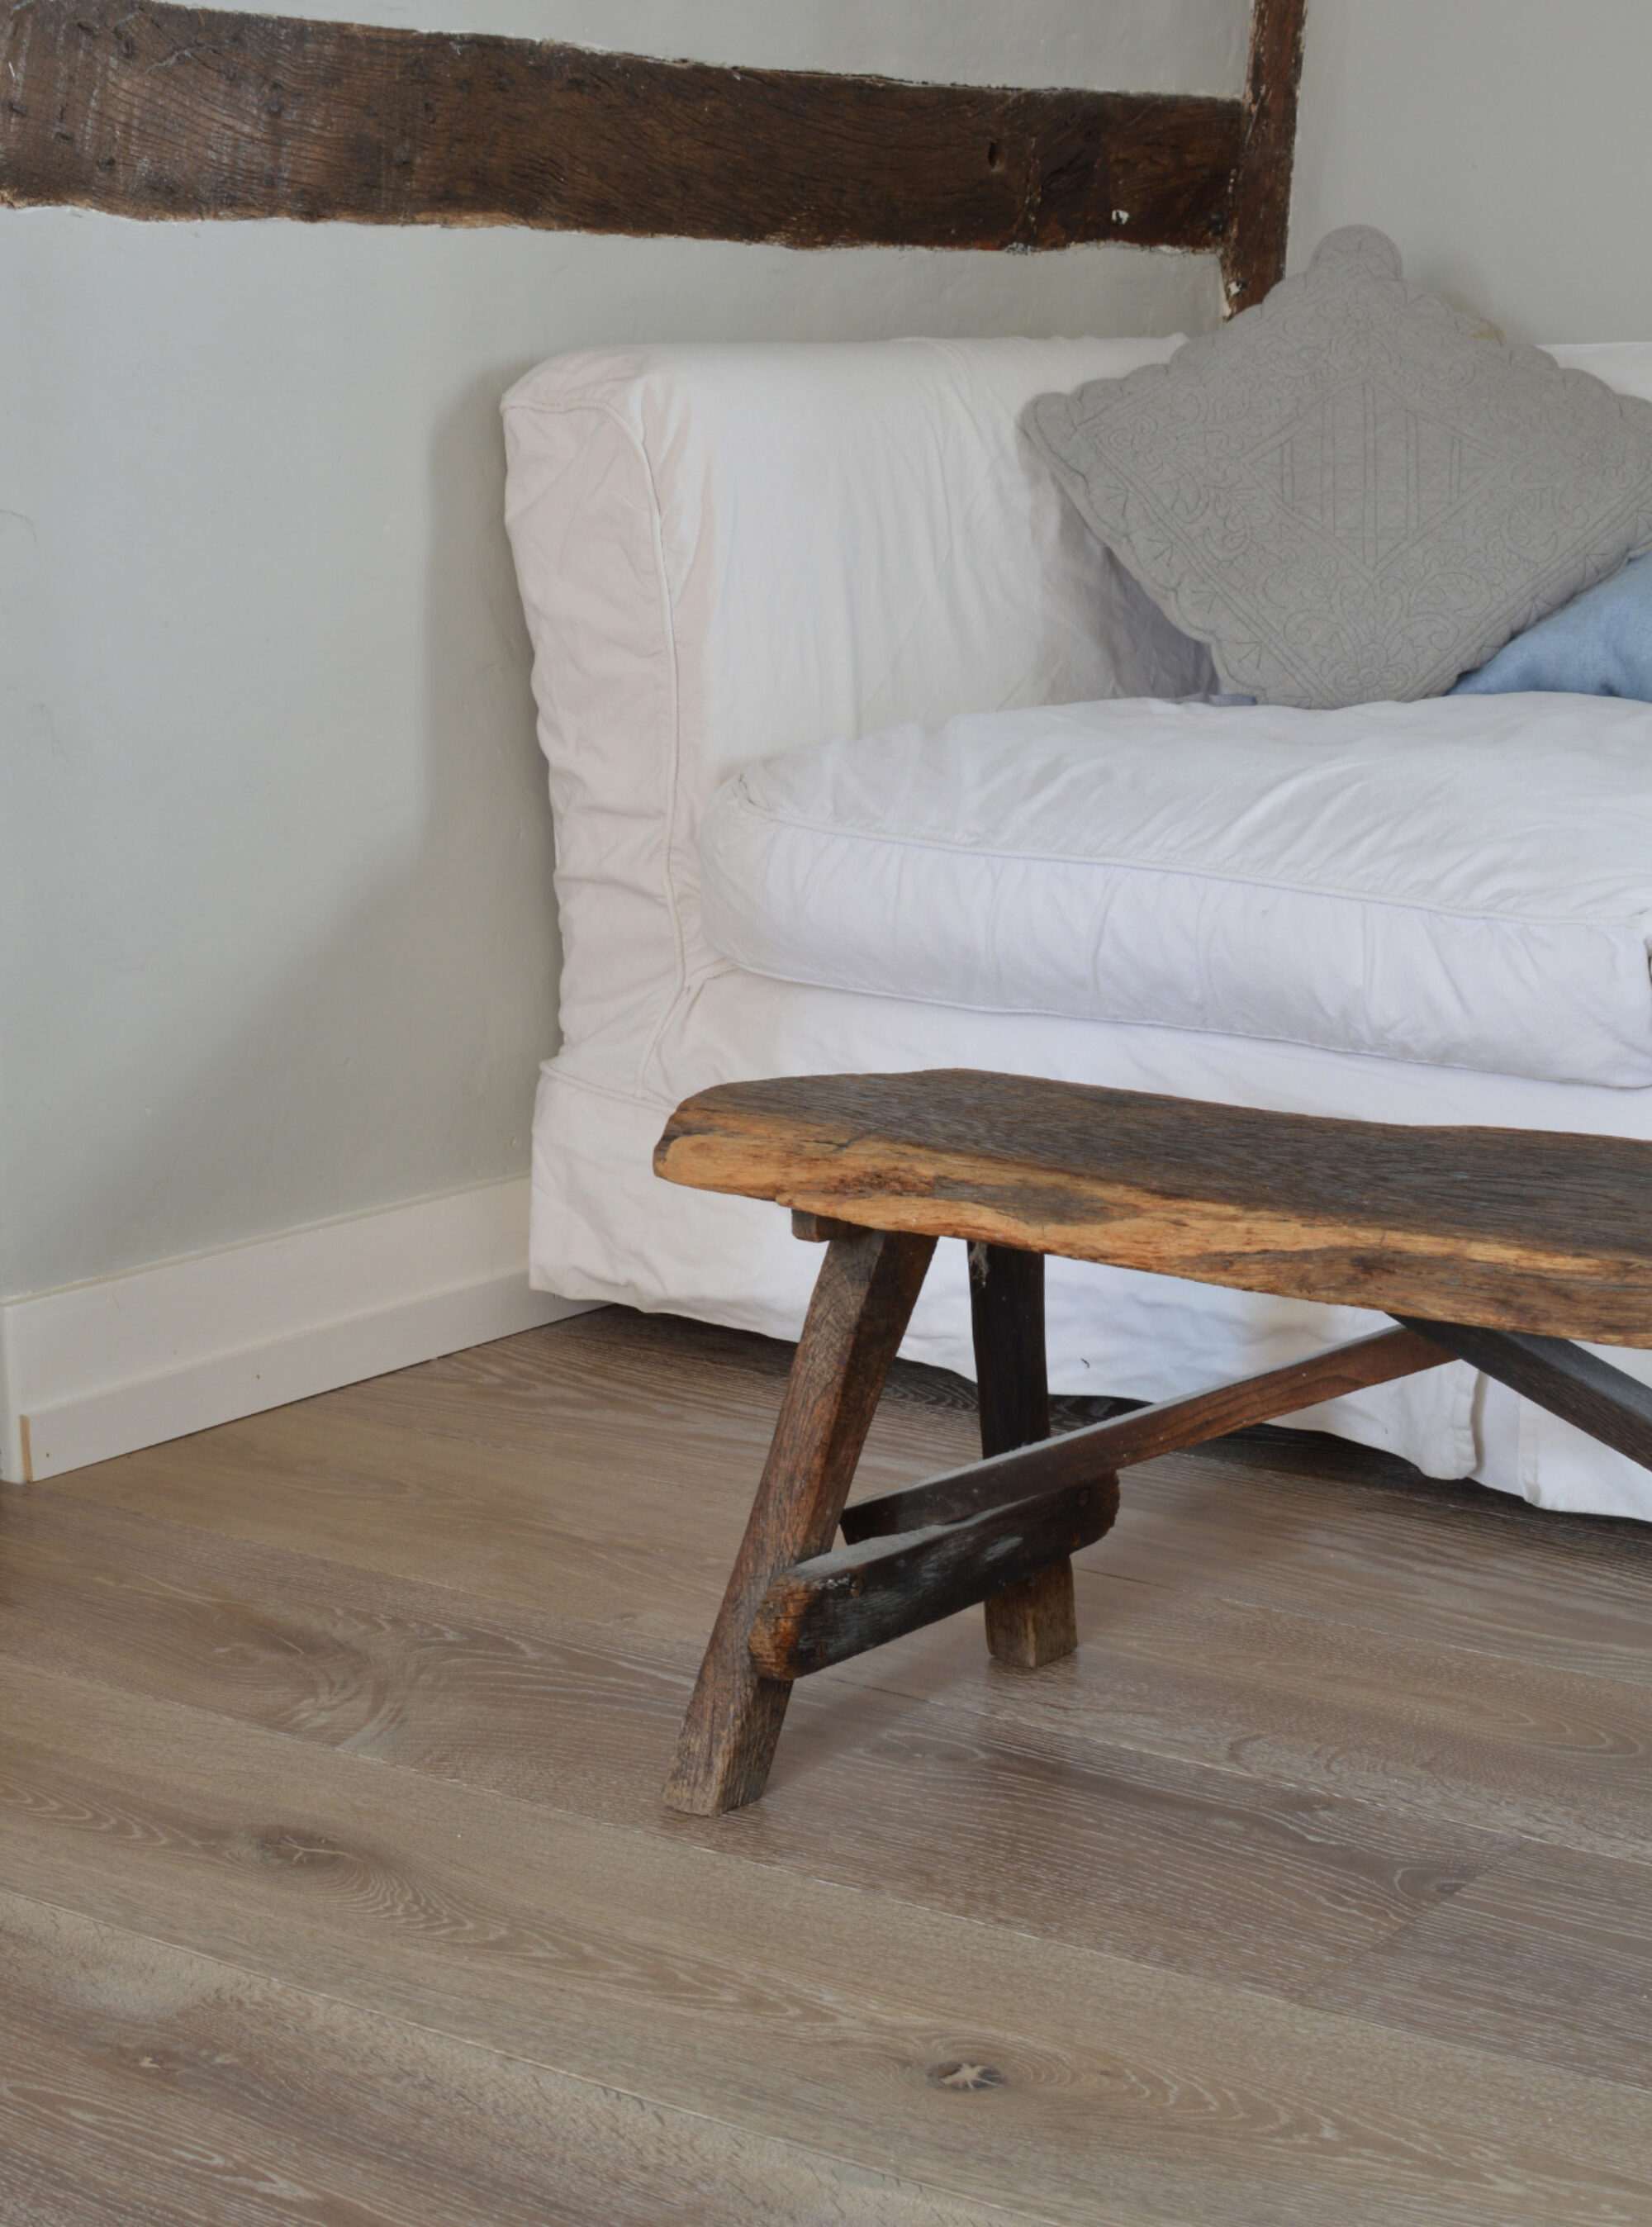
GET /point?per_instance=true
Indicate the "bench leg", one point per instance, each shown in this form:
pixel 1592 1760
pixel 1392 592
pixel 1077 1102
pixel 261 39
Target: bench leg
pixel 862 1300
pixel 1034 1621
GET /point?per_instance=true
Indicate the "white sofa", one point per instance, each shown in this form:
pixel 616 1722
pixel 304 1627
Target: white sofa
pixel 731 553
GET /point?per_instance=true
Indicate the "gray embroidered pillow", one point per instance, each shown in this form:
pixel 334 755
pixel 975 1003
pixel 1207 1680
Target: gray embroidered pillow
pixel 1352 491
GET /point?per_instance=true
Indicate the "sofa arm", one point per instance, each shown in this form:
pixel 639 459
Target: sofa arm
pixel 726 552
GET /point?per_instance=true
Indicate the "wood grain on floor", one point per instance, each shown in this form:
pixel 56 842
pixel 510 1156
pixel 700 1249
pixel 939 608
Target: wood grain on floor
pixel 335 1886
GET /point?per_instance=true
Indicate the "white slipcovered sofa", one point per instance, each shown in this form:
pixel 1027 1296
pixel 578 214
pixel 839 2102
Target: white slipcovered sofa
pixel 837 573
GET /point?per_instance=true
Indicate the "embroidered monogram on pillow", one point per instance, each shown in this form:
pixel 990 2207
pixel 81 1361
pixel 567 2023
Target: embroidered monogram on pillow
pixel 1353 493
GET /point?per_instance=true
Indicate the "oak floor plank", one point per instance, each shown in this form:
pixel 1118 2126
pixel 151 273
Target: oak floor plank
pixel 369 1699
pixel 1548 1957
pixel 1440 1565
pixel 1216 1871
pixel 429 1477
pixel 233 2099
pixel 487 1467
pixel 781 2003
pixel 60 2186
pixel 486 1520
pixel 1409 1645
pixel 1455 1734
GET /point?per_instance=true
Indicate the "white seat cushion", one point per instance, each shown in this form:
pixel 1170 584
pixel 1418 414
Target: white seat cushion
pixel 1464 881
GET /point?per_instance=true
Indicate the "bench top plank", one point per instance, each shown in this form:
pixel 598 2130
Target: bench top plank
pixel 1508 1229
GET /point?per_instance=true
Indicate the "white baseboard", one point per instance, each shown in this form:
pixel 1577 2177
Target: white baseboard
pixel 102 1368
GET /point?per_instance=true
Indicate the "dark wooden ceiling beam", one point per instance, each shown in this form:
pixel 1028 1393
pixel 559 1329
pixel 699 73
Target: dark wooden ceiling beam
pixel 156 111
pixel 1259 216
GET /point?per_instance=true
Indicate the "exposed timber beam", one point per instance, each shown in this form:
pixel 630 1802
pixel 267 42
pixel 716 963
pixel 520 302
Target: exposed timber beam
pixel 156 111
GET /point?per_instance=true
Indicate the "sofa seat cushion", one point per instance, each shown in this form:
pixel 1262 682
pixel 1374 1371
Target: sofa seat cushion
pixel 1465 882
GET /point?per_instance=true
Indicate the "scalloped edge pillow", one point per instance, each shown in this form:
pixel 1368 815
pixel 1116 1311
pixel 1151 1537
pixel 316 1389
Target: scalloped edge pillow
pixel 1353 493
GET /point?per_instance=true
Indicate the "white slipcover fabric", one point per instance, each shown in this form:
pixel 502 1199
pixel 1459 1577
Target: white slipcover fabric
pixel 1465 880
pixel 727 553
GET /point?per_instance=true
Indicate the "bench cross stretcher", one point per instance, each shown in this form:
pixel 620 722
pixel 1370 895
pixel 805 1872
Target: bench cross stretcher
pixel 1500 1247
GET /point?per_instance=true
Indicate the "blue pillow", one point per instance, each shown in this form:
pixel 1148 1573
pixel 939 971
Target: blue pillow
pixel 1599 644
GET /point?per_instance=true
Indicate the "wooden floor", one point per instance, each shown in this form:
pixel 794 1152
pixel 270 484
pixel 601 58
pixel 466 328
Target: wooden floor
pixel 335 1887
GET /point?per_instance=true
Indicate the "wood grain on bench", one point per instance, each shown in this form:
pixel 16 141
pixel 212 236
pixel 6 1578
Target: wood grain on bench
pixel 1510 1229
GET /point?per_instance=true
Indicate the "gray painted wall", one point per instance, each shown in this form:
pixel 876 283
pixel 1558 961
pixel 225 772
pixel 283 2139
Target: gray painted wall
pixel 277 941
pixel 1505 144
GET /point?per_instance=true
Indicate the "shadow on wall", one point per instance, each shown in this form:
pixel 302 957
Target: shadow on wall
pixel 441 972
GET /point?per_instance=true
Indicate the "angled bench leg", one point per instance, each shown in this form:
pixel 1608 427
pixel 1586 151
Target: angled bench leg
pixel 1034 1621
pixel 868 1284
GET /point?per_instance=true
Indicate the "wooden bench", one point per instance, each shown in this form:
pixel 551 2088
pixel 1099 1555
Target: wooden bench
pixel 1494 1247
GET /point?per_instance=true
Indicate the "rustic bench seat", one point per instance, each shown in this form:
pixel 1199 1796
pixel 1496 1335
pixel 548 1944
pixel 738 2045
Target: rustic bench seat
pixel 1496 1246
